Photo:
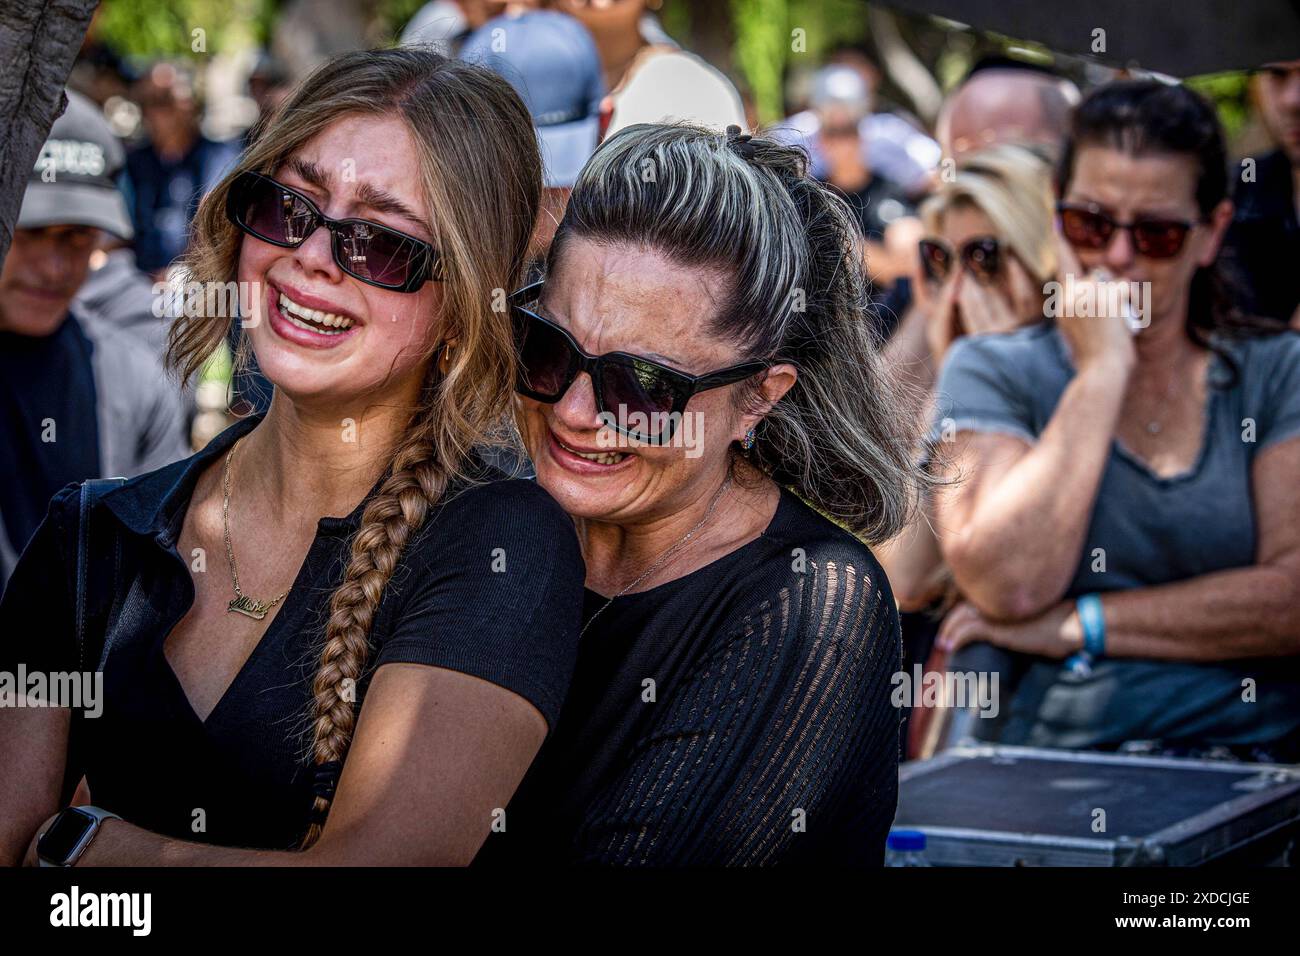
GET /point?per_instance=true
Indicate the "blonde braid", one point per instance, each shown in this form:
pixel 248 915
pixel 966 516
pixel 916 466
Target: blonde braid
pixel 398 510
pixel 481 219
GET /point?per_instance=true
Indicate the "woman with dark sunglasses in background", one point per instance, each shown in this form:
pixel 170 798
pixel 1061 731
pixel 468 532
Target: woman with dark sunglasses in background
pixel 988 249
pixel 334 629
pixel 697 381
pixel 1128 519
pixel 988 253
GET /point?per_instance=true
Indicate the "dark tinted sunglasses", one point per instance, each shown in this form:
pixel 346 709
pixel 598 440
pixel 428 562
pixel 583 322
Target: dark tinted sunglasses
pixel 1090 227
pixel 374 253
pixel 982 257
pixel 626 386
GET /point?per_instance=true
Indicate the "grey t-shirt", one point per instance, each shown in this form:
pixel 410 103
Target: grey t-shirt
pixel 1145 531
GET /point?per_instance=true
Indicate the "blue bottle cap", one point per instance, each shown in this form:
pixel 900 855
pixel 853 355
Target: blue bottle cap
pixel 904 840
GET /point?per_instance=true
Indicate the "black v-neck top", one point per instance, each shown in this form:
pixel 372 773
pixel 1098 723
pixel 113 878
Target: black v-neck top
pixel 490 586
pixel 739 715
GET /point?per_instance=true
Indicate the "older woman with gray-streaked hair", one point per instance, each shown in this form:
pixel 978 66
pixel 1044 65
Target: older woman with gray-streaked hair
pixel 701 391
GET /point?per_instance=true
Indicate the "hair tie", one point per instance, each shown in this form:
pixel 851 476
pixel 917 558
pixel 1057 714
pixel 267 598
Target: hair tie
pixel 740 142
pixel 326 779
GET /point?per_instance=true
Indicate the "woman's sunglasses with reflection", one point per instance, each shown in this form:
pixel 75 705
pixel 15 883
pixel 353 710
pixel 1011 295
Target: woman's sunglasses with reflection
pixel 629 388
pixel 1089 226
pixel 370 251
pixel 981 256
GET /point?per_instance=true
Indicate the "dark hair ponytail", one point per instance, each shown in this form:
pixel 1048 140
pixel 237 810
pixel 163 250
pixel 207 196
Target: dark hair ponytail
pixel 1141 117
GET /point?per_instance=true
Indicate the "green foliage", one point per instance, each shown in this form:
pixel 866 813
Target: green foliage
pixel 763 47
pixel 762 44
pixel 394 15
pixel 829 23
pixel 675 18
pixel 1230 94
pixel 149 29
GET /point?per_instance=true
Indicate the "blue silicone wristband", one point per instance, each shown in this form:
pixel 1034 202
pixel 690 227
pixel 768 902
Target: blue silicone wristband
pixel 1094 624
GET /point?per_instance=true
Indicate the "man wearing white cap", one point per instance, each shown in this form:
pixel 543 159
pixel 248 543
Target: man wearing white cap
pixel 78 398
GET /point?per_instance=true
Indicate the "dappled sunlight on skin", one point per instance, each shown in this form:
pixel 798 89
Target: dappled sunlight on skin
pixel 395 333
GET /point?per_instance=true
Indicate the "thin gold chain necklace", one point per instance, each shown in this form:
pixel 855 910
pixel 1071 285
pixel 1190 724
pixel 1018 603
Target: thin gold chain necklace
pixel 240 603
pixel 1156 420
pixel 659 563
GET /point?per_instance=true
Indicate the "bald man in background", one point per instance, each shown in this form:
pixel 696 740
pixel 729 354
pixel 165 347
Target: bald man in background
pixel 1007 101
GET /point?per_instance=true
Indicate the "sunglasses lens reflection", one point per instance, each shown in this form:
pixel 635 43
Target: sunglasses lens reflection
pixel 544 357
pixel 1089 230
pixel 640 389
pixel 1159 239
pixel 637 394
pixel 367 250
pixel 382 257
pixel 273 214
pixel 934 260
pixel 983 258
pixel 1156 238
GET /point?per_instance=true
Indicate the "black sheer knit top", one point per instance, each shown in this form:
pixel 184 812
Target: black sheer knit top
pixel 739 715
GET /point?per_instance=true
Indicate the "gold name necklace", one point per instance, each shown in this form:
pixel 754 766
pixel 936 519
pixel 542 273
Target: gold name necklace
pixel 241 603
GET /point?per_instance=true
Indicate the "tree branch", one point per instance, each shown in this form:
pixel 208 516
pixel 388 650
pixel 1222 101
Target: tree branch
pixel 39 40
pixel 902 64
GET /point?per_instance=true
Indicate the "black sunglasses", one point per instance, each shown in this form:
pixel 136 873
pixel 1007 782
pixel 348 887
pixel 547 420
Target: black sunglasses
pixel 1088 226
pixel 627 386
pixel 374 253
pixel 982 257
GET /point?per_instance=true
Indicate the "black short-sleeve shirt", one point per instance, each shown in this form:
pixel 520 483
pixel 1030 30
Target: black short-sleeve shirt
pixel 491 586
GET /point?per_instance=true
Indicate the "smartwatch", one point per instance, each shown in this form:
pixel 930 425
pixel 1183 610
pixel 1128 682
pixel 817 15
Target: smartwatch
pixel 69 835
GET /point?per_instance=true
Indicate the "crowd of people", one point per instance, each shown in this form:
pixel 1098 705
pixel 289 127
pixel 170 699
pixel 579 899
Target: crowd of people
pixel 630 556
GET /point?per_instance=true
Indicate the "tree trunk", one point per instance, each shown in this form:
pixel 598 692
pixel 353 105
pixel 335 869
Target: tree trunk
pixel 39 40
pixel 904 68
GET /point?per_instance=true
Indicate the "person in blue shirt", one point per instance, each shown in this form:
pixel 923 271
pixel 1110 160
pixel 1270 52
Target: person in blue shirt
pixel 1125 520
pixel 169 173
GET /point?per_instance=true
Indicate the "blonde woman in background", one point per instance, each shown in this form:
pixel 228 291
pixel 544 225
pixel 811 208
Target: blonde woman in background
pixel 987 254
